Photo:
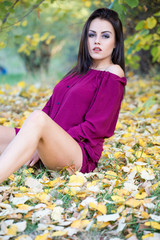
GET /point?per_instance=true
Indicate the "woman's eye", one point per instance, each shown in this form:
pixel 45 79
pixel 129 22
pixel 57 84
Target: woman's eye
pixel 91 35
pixel 105 36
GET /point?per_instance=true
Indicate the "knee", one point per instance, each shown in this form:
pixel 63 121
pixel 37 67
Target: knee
pixel 37 119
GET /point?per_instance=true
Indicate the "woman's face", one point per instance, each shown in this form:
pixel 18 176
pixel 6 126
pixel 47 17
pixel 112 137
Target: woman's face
pixel 101 42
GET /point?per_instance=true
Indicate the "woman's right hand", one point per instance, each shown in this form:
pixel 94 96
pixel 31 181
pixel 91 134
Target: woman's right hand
pixel 33 159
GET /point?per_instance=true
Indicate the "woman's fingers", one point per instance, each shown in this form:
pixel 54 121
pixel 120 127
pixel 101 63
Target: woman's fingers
pixel 33 160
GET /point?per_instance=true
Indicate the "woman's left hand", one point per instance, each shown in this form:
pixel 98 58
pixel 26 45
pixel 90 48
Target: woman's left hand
pixel 33 159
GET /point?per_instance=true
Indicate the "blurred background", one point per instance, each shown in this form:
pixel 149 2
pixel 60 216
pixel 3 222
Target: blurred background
pixel 39 39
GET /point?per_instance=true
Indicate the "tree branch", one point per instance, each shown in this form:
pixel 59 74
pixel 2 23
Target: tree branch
pixel 35 6
pixel 7 15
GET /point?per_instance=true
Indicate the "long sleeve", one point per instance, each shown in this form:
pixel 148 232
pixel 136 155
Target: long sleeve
pixel 101 118
pixel 47 107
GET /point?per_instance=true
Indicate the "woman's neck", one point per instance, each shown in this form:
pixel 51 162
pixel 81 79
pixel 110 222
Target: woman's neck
pixel 101 66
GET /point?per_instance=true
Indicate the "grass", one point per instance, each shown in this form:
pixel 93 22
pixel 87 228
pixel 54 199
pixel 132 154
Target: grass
pixel 12 79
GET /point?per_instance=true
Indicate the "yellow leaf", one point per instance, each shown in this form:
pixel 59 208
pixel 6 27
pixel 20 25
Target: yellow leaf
pixel 76 180
pixel 19 194
pixel 147 224
pixel 120 209
pixel 92 205
pixel 148 235
pixel 111 175
pixel 119 155
pixel 30 170
pixel 150 22
pixel 2 120
pixel 23 189
pixel 107 154
pixel 23 206
pixel 154 225
pixel 32 89
pixel 117 199
pixel 156 185
pixel 121 192
pixel 141 142
pixel 87 3
pixel 126 135
pixel 34 43
pixel 141 195
pixel 17 24
pixel 93 186
pixel 42 237
pixel 8 124
pixel 133 203
pixel 51 206
pixel 84 214
pixel 55 182
pixel 140 154
pixel 36 35
pixel 49 39
pixel 59 233
pixel 45 179
pixel 43 197
pixel 27 52
pixel 81 194
pixel 80 224
pixel 22 84
pixel 71 190
pixel 22 48
pixel 145 215
pixel 44 36
pixel 24 23
pixel 12 230
pixel 12 177
pixel 2 44
pixel 102 208
pixel 102 224
pixel 119 125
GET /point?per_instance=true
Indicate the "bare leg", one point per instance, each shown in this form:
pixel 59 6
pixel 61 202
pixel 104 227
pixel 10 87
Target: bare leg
pixel 56 148
pixel 6 136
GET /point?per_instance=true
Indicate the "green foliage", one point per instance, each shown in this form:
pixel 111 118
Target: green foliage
pixel 147 37
pixel 28 25
pixel 145 106
pixel 132 3
pixel 121 7
pixel 12 13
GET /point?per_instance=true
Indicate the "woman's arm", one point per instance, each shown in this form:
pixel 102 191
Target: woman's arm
pixel 100 120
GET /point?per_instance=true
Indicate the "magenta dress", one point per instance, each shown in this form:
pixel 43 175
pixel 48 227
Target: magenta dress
pixel 87 108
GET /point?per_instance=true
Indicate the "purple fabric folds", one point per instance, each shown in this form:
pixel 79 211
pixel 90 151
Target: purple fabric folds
pixel 87 107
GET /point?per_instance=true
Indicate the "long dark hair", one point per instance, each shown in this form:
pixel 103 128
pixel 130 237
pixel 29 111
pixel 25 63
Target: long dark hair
pixel 84 60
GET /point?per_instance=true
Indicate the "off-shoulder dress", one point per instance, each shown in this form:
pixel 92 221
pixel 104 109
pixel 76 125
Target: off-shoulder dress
pixel 87 108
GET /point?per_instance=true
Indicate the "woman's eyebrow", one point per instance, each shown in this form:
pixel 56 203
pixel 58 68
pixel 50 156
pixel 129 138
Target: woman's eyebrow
pixel 102 32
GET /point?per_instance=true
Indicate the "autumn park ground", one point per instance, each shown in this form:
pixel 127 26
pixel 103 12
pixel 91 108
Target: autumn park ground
pixel 119 200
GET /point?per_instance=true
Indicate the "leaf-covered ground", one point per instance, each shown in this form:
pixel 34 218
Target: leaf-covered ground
pixel 119 200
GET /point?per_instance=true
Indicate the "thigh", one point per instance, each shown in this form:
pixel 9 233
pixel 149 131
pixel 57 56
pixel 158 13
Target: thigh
pixel 6 136
pixel 57 149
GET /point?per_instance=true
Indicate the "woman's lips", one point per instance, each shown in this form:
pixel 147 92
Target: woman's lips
pixel 97 49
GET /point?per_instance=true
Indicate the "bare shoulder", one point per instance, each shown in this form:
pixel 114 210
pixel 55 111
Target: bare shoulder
pixel 116 69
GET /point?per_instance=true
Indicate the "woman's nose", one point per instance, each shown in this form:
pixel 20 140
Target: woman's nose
pixel 97 40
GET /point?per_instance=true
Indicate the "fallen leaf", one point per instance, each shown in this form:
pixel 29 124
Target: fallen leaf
pixel 107 218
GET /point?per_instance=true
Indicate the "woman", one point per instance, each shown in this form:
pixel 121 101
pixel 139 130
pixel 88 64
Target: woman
pixel 82 111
